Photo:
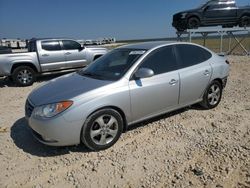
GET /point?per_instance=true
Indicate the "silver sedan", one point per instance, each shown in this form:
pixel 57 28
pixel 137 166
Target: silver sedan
pixel 127 85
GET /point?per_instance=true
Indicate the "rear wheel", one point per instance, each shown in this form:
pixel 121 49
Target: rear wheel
pixel 102 129
pixel 212 95
pixel 193 23
pixel 23 76
pixel 245 21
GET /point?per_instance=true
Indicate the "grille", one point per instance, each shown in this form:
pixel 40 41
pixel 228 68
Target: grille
pixel 176 17
pixel 28 108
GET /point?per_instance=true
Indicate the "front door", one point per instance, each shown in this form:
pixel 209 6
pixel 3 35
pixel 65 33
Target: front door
pixel 159 93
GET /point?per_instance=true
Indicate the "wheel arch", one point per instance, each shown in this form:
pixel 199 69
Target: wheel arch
pixel 219 80
pixel 96 56
pixel 119 110
pixel 194 16
pixel 244 14
pixel 15 65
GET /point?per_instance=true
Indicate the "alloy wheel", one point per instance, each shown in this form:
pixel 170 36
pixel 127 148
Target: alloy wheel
pixel 214 94
pixel 25 76
pixel 104 129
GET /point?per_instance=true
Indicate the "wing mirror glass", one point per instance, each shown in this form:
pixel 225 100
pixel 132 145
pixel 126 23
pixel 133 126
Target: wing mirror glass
pixel 144 73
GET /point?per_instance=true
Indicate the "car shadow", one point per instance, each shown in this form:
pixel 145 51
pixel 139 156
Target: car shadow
pixel 23 139
pixel 6 82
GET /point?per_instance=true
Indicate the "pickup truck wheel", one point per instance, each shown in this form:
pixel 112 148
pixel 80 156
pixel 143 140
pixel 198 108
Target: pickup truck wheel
pixel 245 21
pixel 193 23
pixel 23 76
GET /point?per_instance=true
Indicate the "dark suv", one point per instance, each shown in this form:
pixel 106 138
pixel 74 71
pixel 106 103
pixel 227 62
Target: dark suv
pixel 213 13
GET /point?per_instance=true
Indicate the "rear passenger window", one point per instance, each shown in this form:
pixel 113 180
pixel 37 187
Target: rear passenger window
pixel 189 55
pixel 161 60
pixel 71 45
pixel 51 45
pixel 32 46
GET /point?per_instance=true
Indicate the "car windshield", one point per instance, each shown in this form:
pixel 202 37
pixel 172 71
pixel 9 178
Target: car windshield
pixel 113 65
pixel 204 4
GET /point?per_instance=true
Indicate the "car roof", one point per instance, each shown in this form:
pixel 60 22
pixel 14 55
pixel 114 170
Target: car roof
pixel 147 45
pixel 42 39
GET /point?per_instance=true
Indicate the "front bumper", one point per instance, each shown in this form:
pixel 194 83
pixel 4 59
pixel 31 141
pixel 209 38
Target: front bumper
pixel 180 23
pixel 56 131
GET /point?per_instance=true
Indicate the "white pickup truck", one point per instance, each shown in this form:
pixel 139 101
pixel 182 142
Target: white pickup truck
pixel 47 56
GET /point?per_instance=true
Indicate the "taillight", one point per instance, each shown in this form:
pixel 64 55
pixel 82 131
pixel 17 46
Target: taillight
pixel 227 62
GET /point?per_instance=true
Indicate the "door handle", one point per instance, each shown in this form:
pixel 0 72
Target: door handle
pixel 173 82
pixel 45 55
pixel 206 72
pixel 68 53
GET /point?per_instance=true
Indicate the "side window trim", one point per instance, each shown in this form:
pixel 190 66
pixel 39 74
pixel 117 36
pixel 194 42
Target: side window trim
pixel 181 65
pixel 63 47
pixel 155 51
pixel 43 42
pixel 177 57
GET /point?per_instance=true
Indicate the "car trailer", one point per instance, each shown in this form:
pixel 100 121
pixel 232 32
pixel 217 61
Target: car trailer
pixel 231 33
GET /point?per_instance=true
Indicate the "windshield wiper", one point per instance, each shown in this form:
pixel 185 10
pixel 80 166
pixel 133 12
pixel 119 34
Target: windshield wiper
pixel 92 75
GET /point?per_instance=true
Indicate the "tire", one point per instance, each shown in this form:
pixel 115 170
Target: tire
pixel 212 95
pixel 245 21
pixel 24 76
pixel 102 129
pixel 193 23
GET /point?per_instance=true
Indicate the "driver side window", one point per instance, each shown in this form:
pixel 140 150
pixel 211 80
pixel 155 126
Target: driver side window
pixel 161 60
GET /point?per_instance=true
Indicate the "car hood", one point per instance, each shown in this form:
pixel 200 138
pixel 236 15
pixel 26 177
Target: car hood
pixel 64 88
pixel 188 11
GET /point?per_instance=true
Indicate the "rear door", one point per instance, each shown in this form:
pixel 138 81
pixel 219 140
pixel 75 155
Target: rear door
pixel 75 55
pixel 51 56
pixel 150 96
pixel 195 72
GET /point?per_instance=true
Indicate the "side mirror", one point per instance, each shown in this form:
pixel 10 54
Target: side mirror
pixel 144 73
pixel 81 48
pixel 206 8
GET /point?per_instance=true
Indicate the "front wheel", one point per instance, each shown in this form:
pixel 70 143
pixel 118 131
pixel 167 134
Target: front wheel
pixel 212 95
pixel 102 129
pixel 193 23
pixel 23 76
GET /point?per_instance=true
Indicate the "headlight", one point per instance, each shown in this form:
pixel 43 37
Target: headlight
pixel 183 15
pixel 50 110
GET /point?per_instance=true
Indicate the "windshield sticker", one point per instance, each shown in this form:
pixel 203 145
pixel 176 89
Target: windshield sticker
pixel 137 52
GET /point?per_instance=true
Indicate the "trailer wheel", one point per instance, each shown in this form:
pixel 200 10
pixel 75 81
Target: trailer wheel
pixel 24 76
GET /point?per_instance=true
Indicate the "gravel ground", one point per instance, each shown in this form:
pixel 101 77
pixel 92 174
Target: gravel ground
pixel 188 148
